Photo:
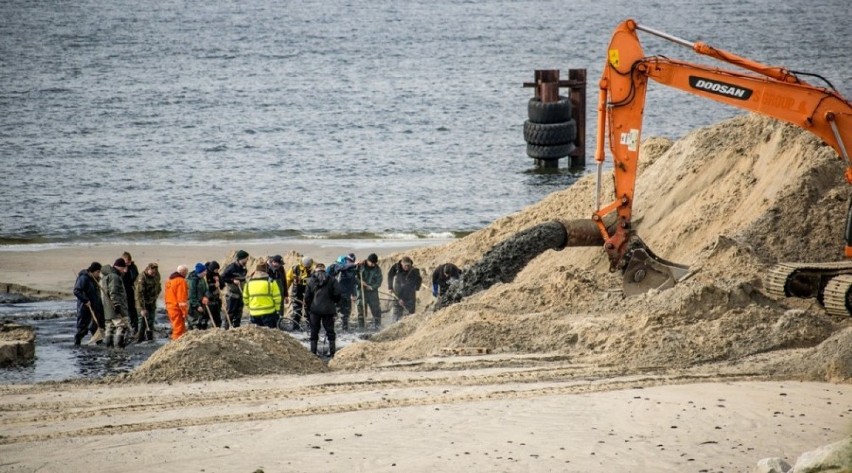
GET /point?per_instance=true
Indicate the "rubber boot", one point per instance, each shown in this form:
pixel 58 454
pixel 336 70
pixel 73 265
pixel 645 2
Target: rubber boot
pixel 108 341
pixel 120 340
pixel 140 336
pixel 78 338
pixel 361 325
pixel 331 348
pixel 313 347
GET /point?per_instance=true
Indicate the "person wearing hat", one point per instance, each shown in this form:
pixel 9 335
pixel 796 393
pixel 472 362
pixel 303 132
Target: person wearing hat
pixel 88 301
pixel 233 277
pixel 321 298
pixel 116 315
pixel 214 292
pixel 129 279
pixel 345 270
pixel 262 297
pixel 369 282
pixel 275 270
pixel 176 296
pixel 297 280
pixel 404 281
pixel 197 287
pixel 147 290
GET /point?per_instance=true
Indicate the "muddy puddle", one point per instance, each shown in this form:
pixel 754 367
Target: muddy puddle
pixel 57 359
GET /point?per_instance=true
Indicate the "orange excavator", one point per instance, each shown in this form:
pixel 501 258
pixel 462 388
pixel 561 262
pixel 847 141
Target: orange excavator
pixel 773 91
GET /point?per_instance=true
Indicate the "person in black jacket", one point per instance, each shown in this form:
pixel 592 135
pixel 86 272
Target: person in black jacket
pixel 441 278
pixel 321 297
pixel 404 281
pixel 129 281
pixel 233 278
pixel 88 296
pixel 214 292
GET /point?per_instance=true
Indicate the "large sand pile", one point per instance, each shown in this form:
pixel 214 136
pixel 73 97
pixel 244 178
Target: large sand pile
pixel 206 355
pixel 728 200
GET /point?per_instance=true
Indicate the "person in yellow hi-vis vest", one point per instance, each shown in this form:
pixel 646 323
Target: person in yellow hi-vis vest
pixel 262 297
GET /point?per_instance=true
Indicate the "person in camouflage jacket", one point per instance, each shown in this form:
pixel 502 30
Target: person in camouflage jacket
pixel 147 290
pixel 116 315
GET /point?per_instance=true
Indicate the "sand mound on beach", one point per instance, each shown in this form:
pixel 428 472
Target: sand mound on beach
pixel 729 200
pixel 226 354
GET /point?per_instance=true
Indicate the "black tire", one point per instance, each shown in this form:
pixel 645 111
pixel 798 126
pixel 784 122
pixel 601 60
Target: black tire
pixel 549 112
pixel 550 134
pixel 549 152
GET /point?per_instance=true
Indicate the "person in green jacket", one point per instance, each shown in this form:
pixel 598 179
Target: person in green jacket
pixel 369 281
pixel 116 315
pixel 147 291
pixel 262 297
pixel 197 282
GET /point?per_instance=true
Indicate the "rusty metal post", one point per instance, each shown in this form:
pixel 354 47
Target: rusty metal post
pixel 547 85
pixel 578 103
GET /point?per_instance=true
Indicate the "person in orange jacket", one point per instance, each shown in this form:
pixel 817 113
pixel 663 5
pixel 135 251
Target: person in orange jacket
pixel 177 301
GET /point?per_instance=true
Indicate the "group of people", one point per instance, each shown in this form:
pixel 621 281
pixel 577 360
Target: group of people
pixel 111 298
pixel 121 301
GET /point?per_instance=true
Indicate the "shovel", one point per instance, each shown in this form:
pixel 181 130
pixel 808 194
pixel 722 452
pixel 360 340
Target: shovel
pixel 99 333
pixel 210 315
pixel 228 317
pixel 148 330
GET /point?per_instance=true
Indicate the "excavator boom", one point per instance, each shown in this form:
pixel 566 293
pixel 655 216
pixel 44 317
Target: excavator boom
pixel 773 91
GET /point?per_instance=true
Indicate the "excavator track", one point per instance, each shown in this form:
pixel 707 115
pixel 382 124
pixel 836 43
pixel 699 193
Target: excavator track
pixel 829 283
pixel 836 297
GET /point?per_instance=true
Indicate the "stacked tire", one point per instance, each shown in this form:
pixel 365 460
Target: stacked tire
pixel 550 132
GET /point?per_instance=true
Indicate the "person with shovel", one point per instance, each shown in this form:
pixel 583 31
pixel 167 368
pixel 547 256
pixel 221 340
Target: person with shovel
pixel 369 282
pixel 116 314
pixel 147 290
pixel 403 281
pixel 88 303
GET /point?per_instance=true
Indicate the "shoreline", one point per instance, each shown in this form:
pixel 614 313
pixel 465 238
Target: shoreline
pixel 50 270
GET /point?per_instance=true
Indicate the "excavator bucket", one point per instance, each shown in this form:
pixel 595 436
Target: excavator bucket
pixel 646 271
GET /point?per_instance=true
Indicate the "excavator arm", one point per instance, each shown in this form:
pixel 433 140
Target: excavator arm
pixel 772 91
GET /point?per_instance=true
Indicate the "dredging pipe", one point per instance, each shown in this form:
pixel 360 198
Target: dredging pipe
pixel 506 259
